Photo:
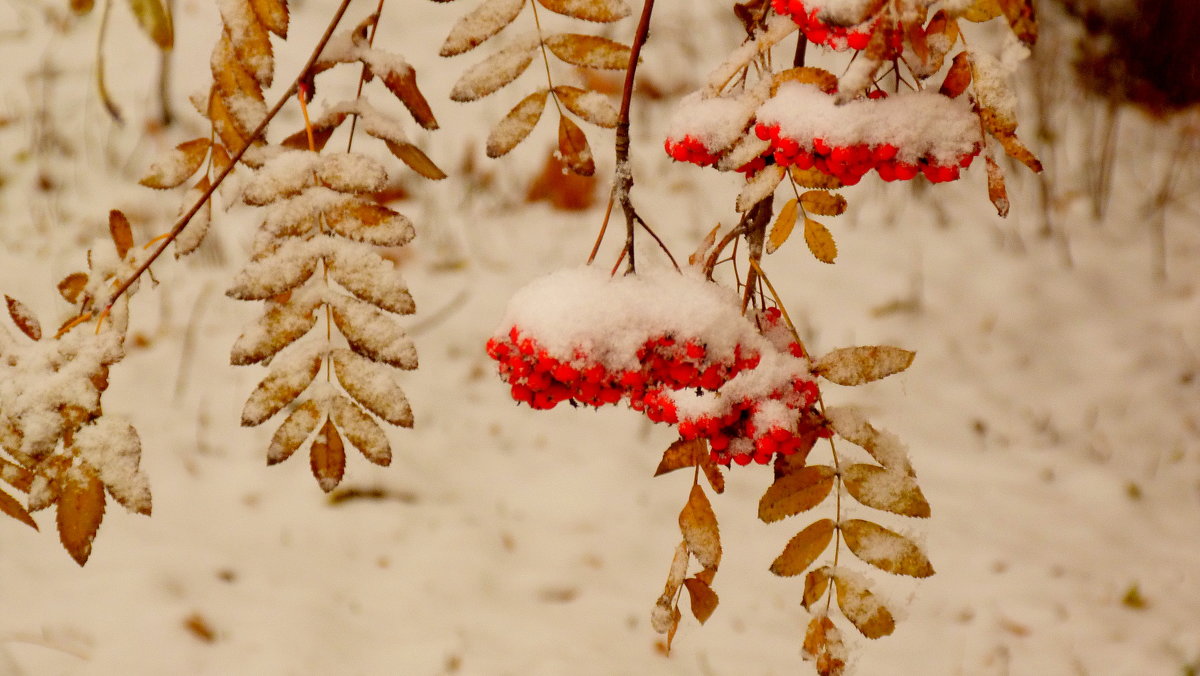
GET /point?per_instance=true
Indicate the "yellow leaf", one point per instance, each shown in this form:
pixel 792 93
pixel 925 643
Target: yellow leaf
pixel 603 11
pixel 823 79
pixel 574 149
pixel 703 599
pixel 820 241
pixel 823 203
pixel 785 222
pixel 178 165
pixel 816 583
pixel 327 457
pixel 862 608
pixel 813 178
pixel 794 493
pixel 981 10
pixel 885 549
pixel 273 14
pixel 416 160
pixel 682 453
pixel 823 645
pixel 516 125
pixel 13 507
pixel 958 77
pixel 589 51
pixel 858 365
pixel 889 490
pixel 155 21
pixel 80 511
pixel 699 526
pixel 803 549
pixel 122 235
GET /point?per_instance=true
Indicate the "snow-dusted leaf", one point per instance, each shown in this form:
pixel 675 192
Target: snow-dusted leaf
pixel 122 234
pixel 816 583
pixel 516 125
pixel 823 79
pixel 193 235
pixel 369 276
pixel 178 165
pixel 678 571
pixel 797 492
pixel 823 203
pixel 281 325
pixel 281 177
pixel 322 130
pixel 979 10
pixel 785 222
pixel 72 285
pixel 293 432
pixel 250 40
pixel 1015 149
pixel 152 16
pixel 416 159
pixel 591 106
pixel 351 173
pixel 861 607
pixel 273 14
pixel 824 647
pixel 497 71
pixel 573 148
pixel 291 372
pixel 814 178
pixel 890 490
pixel 13 474
pixel 80 511
pixel 703 599
pixel 699 526
pixel 13 508
pixel 112 447
pixel 481 23
pixel 602 11
pixel 759 187
pixel 997 193
pixel 884 446
pixel 1021 19
pixel 361 430
pixel 371 223
pixel 401 80
pixel 589 51
pixel 885 549
pixel 373 386
pixel 374 333
pixel 327 457
pixel 23 318
pixel 241 92
pixel 803 549
pixel 284 269
pixel 864 364
pixel 820 241
pixel 958 77
pixel 232 136
pixel 682 453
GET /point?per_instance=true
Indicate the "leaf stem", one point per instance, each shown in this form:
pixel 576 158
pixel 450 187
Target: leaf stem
pixel 623 178
pixel 362 74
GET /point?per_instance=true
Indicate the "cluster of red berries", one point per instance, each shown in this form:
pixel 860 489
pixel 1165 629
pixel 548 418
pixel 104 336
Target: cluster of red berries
pixel 691 149
pixel 850 163
pixel 832 36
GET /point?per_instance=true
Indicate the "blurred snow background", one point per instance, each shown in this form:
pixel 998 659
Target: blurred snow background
pixel 1052 412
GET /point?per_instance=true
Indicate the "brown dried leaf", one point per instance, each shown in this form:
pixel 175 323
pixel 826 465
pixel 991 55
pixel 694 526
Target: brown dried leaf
pixel 72 285
pixel 981 10
pixel 997 193
pixel 885 549
pixel 1021 19
pixel 703 599
pixel 864 610
pixel 699 526
pixel 122 234
pixel 232 136
pixel 590 106
pixel 322 130
pixel 373 386
pixel 1017 150
pixel 816 583
pixel 823 79
pixel 481 23
pixel 864 364
pixel 273 14
pixel 370 277
pixel 361 431
pixel 759 187
pixel 785 222
pixel 23 318
pixel 416 159
pixel 13 507
pixel 813 178
pixel 193 235
pixel 516 125
pixel 958 77
pixel 705 246
pixel 820 241
pixel 495 72
pixel 327 457
pixel 293 432
pixel 402 83
pixel 281 325
pixel 291 372
pixel 15 475
pixel 602 11
pixel 823 645
pixel 889 490
pixel 573 148
pixel 823 203
pixel 371 223
pixel 712 471
pixel 152 16
pixel 373 333
pixel 80 511
pixel 589 51
pixel 178 165
pixel 803 549
pixel 236 84
pixel 682 453
pixel 797 492
pixel 250 40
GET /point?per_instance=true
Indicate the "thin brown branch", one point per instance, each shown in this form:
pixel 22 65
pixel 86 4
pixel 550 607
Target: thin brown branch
pixel 623 180
pixel 362 74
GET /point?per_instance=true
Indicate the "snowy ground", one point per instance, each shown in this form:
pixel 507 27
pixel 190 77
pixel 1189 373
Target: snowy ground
pixel 1051 414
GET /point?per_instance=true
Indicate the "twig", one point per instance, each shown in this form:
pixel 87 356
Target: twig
pixel 258 131
pixel 362 74
pixel 623 179
pixel 756 235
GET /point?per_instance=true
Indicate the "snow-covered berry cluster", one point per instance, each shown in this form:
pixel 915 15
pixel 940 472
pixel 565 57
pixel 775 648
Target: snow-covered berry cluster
pixel 810 17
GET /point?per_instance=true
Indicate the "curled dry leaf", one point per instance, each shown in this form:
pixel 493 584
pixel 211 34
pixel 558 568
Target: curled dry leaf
pixel 603 11
pixel 370 277
pixel 122 234
pixel 373 333
pixel 80 510
pixel 589 51
pixel 291 372
pixel 823 645
pixel 193 235
pixel 361 431
pixel 282 270
pixel 72 285
pixel 590 106
pixel 497 71
pixel 703 599
pixel 785 222
pixel 816 583
pixel 401 80
pixel 958 77
pixel 760 187
pixel 481 23
pixel 178 165
pixel 573 148
pixel 682 453
pixel 23 318
pixel 327 457
pixel 885 549
pixel 884 446
pixel 820 241
pixel 322 130
pixel 372 386
pixel 814 178
pixel 823 203
pixel 699 526
pixel 804 548
pixel 888 490
pixel 371 223
pixel 153 18
pixel 516 125
pixel 797 492
pixel 281 325
pixel 293 432
pixel 113 448
pixel 861 607
pixel 864 364
pixel 997 193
